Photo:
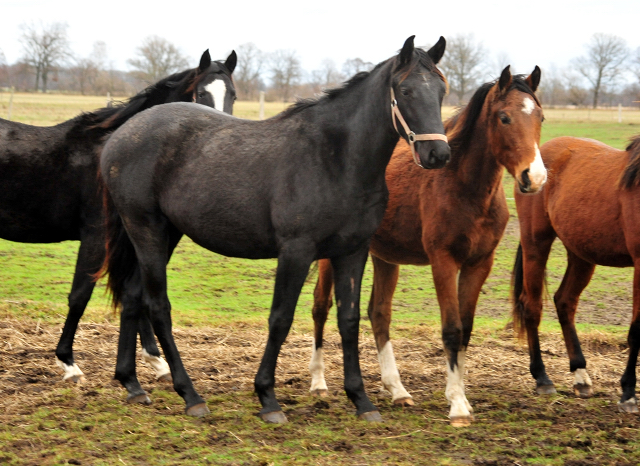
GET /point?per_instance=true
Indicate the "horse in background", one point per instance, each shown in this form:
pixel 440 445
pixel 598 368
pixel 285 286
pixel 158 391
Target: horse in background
pixel 304 185
pixel 50 185
pixel 592 204
pixel 452 219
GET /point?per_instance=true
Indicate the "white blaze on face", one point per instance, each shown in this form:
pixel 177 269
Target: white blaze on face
pixel 537 170
pixel 316 367
pixel 390 374
pixel 528 105
pixel 157 363
pixel 218 89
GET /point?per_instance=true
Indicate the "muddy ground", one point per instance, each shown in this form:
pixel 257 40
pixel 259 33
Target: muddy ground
pixel 224 361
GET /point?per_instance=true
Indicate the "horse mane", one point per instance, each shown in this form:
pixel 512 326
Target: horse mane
pixel 110 118
pixel 460 127
pixel 422 58
pixel 631 175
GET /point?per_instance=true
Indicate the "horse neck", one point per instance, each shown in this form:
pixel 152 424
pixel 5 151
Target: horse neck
pixel 477 166
pixel 364 113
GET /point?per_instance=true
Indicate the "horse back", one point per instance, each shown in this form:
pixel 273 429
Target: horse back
pixel 45 173
pixel 582 198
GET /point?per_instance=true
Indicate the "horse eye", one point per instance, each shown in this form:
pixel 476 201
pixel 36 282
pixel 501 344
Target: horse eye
pixel 542 119
pixel 505 119
pixel 404 91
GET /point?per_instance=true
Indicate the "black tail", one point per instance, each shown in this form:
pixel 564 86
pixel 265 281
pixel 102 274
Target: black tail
pixel 120 261
pixel 516 291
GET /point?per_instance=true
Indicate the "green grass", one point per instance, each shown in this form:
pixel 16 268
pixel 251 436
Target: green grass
pixel 95 427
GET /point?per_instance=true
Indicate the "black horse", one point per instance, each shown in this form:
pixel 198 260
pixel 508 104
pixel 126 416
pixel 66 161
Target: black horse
pixel 303 185
pixel 50 184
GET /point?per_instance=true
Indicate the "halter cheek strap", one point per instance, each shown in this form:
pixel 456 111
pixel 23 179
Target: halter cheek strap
pixel 413 137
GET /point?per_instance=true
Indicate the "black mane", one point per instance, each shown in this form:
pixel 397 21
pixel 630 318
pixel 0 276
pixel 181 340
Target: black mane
pixel 460 127
pixel 419 57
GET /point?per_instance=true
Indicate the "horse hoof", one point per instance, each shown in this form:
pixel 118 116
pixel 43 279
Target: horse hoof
pixel 166 378
pixel 274 417
pixel 199 410
pixel 320 392
pixel 629 406
pixel 371 416
pixel 583 390
pixel 460 421
pixel 546 390
pixel 76 379
pixel 404 402
pixel 142 398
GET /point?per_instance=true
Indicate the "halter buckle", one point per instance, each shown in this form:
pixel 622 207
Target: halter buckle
pixel 411 136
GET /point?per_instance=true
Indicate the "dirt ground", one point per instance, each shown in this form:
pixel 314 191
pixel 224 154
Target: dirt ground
pixel 221 361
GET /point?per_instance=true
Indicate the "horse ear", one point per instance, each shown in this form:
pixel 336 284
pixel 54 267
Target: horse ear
pixel 437 51
pixel 505 79
pixel 407 51
pixel 205 61
pixel 534 78
pixel 231 62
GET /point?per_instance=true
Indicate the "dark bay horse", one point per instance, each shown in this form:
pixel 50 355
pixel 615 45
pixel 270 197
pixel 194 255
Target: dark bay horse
pixel 50 184
pixel 592 204
pixel 303 185
pixel 452 219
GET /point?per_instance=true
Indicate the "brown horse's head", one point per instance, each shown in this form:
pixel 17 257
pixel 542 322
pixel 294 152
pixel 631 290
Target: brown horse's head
pixel 514 120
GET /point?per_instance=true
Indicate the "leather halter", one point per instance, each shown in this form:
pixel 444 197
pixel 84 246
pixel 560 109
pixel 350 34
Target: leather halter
pixel 411 136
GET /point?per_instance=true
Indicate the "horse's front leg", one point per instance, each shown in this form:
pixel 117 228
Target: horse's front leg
pixel 293 266
pixel 445 272
pixel 348 272
pixel 628 402
pixel 385 279
pixel 470 283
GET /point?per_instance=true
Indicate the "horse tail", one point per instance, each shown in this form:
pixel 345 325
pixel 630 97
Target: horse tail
pixel 517 280
pixel 120 261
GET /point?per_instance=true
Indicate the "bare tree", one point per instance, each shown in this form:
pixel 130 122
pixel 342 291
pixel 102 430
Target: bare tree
pixel 44 48
pixel 353 66
pixel 602 66
pixel 325 77
pixel 246 76
pixel 462 64
pixel 286 71
pixel 157 58
pixel 635 64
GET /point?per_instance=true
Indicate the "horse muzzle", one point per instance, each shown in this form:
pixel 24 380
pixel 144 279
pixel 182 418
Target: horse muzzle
pixel 434 154
pixel 530 183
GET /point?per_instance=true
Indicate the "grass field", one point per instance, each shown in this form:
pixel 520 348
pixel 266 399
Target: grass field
pixel 220 308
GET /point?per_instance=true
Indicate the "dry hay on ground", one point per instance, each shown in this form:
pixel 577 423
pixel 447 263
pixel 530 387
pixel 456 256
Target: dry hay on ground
pixel 221 360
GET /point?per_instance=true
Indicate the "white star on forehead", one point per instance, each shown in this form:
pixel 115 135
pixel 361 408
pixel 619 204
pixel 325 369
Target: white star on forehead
pixel 528 105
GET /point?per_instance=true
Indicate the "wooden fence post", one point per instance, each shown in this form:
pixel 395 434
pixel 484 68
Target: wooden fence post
pixel 261 115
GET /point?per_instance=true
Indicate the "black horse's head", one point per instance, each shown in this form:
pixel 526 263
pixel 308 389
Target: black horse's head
pixel 418 88
pixel 213 85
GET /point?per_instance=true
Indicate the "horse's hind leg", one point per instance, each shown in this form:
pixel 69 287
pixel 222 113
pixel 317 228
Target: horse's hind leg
pixel 576 278
pixel 152 240
pixel 385 279
pixel 322 302
pixel 293 266
pixel 90 257
pixel 628 402
pixel 348 272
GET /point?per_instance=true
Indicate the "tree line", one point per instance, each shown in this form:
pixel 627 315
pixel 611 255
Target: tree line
pixel 607 74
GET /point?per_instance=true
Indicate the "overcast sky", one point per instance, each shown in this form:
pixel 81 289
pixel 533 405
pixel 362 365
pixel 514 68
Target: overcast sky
pixel 545 33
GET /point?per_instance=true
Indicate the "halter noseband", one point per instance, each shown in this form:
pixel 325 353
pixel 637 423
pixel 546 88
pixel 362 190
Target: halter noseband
pixel 413 137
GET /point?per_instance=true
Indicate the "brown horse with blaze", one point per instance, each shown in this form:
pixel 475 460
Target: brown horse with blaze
pixel 451 218
pixel 592 204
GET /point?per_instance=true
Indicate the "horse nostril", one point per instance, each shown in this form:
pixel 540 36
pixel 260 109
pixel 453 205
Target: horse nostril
pixel 526 181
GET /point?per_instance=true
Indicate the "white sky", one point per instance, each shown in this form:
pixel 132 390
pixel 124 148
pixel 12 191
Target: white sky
pixel 545 33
